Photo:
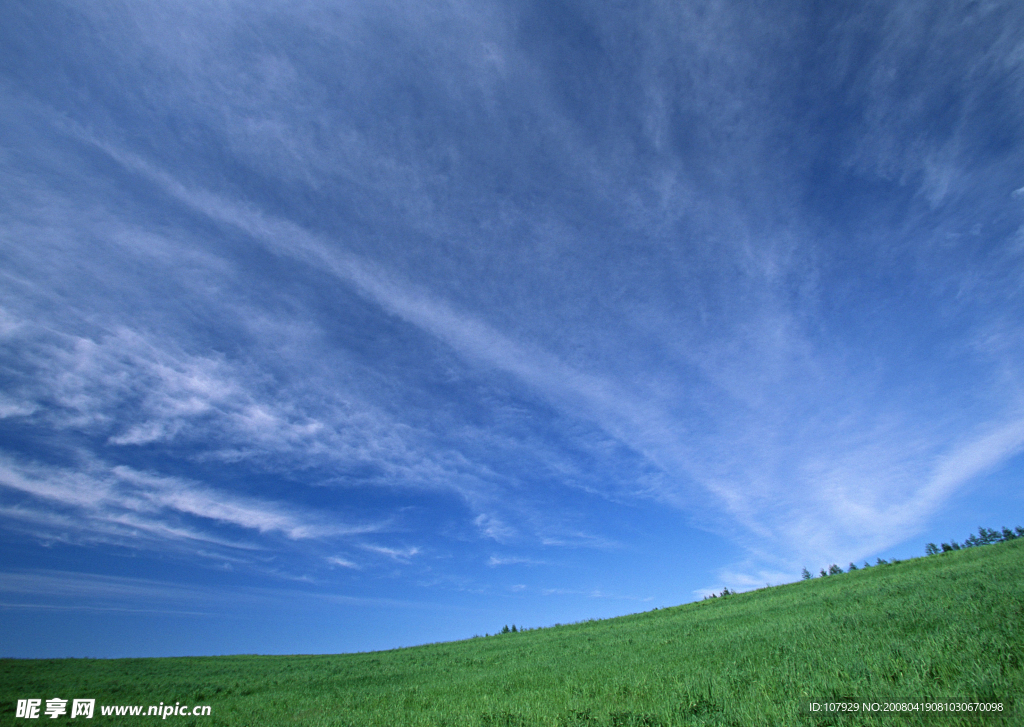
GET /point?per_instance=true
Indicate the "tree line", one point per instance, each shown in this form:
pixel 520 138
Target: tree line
pixel 985 536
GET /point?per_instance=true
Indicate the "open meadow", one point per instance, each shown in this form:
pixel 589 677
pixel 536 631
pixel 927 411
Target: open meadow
pixel 943 629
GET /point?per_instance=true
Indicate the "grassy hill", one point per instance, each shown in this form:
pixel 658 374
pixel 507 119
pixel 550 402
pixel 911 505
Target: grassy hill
pixel 948 628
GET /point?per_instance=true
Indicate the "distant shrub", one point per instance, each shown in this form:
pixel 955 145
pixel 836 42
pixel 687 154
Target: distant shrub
pixel 851 568
pixel 823 573
pixel 880 561
pixel 931 549
pixel 805 574
pixel 834 570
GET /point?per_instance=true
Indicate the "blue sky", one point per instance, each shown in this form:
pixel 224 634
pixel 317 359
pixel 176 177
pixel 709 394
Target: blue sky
pixel 344 326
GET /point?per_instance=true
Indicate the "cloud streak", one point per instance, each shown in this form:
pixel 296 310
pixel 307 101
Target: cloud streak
pixel 97 499
pixel 702 471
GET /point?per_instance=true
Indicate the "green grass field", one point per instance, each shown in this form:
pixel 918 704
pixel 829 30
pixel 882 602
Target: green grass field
pixel 944 629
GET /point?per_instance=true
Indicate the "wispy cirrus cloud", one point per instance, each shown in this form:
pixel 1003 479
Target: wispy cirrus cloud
pixel 132 391
pixel 495 560
pixel 44 589
pixel 342 562
pixel 97 500
pixel 704 469
pixel 400 555
pixel 632 416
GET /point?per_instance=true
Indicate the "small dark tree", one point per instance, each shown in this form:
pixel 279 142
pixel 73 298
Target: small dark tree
pixel 879 561
pixel 834 570
pixel 805 574
pixel 988 536
pixel 1020 531
pixel 931 549
pixel 947 548
pixel 1008 534
pixel 851 568
pixel 866 564
pixel 513 628
pixel 823 573
pixel 955 545
pixel 504 629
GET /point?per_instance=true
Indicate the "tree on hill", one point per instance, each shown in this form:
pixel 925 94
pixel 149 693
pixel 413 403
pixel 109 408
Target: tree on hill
pixel 985 536
pixel 805 574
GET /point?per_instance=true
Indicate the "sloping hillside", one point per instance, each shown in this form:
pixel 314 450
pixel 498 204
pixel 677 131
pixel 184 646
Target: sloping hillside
pixel 945 629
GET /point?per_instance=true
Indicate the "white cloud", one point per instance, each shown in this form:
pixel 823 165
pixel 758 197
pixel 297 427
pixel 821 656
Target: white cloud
pixel 98 499
pixel 126 386
pixel 69 590
pixel 402 555
pixel 342 562
pixel 11 408
pixel 495 560
pixel 967 460
pixel 492 527
pixel 65 590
